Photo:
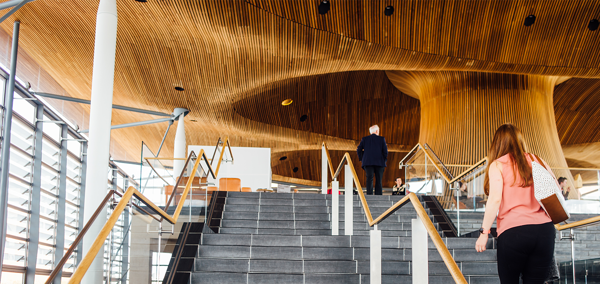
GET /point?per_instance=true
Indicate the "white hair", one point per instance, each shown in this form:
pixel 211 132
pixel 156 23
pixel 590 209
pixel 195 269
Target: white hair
pixel 373 128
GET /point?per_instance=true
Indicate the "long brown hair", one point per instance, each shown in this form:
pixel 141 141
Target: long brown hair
pixel 508 139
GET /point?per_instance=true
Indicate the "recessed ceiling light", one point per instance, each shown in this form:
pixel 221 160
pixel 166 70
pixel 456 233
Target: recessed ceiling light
pixel 179 88
pixel 287 102
pixel 303 118
pixel 283 158
pixel 143 1
pixel 324 7
pixel 193 120
pixel 593 25
pixel 529 20
pixel 295 169
pixel 388 11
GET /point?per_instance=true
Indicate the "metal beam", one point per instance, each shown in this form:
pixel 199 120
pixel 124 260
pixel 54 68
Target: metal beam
pixel 62 206
pixel 13 10
pixel 34 219
pixel 138 123
pixel 82 101
pixel 125 243
pixel 84 147
pixel 8 113
pixel 11 3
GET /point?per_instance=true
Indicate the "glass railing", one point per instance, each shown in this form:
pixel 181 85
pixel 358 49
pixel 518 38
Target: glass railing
pixel 586 271
pixel 459 188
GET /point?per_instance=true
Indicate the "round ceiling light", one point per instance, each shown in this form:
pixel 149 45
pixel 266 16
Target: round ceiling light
pixel 179 88
pixel 295 169
pixel 287 102
pixel 389 10
pixel 529 20
pixel 593 25
pixel 324 7
pixel 283 158
pixel 303 118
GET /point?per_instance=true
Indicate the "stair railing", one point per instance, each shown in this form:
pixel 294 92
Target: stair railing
pixel 423 216
pixel 571 235
pixel 126 200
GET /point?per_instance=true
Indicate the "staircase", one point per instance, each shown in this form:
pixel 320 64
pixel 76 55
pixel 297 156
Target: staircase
pixel 286 238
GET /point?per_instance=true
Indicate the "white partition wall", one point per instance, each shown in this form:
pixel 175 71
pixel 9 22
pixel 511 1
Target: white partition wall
pixel 251 165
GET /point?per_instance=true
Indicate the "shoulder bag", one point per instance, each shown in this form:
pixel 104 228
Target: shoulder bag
pixel 547 192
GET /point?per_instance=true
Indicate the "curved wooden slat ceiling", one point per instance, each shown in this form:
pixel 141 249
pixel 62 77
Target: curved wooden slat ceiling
pixel 231 55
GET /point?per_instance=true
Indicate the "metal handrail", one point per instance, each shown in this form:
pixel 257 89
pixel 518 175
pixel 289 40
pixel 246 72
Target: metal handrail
pixel 433 233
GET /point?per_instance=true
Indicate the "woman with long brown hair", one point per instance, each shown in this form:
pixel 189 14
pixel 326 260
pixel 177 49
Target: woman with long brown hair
pixel 525 233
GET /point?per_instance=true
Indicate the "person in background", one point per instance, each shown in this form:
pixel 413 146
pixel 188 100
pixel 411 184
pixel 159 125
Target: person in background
pixel 562 181
pixel 525 232
pixel 399 188
pixel 372 152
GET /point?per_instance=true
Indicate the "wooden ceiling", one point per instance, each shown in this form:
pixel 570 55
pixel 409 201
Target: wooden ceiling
pixel 237 59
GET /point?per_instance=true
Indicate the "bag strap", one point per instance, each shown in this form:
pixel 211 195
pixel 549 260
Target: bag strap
pixel 538 160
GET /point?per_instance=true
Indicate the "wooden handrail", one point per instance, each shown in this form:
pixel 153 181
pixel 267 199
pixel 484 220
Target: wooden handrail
pixel 461 175
pixel 117 211
pixel 179 178
pixel 433 233
pixel 584 222
pixel 75 243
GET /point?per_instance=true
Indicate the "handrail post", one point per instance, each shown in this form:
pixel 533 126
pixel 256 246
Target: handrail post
pixel 571 237
pixel 323 170
pixel 335 207
pixel 375 257
pixel 349 202
pixel 456 187
pixel 420 250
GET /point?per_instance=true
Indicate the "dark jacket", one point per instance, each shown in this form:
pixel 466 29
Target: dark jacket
pixel 372 151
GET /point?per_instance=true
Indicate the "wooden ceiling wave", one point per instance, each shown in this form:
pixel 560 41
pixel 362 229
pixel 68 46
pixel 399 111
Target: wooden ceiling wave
pixel 460 112
pixel 340 105
pixel 228 52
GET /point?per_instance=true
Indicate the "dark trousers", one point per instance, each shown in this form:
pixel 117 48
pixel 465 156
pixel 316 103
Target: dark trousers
pixel 526 251
pixel 378 171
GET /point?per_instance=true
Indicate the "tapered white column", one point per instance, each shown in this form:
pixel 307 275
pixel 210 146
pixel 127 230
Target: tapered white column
pixel 420 253
pixel 179 148
pixel 348 202
pixel 100 120
pixel 335 208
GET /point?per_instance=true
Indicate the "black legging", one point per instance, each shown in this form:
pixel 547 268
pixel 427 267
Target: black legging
pixel 526 250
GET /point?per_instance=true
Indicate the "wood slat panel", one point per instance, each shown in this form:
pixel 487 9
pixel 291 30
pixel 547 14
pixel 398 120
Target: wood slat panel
pixel 460 112
pixel 236 59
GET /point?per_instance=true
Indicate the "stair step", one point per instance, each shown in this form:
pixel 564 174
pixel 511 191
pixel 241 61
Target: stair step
pixel 334 241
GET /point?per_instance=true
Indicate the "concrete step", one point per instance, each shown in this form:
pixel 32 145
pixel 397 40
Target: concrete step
pixel 257 195
pixel 331 241
pixel 308 202
pixel 268 278
pixel 311 225
pixel 376 211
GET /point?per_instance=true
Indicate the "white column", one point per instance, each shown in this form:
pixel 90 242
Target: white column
pixel 375 259
pixel 323 170
pixel 179 148
pixel 99 137
pixel 335 208
pixel 348 202
pixel 420 251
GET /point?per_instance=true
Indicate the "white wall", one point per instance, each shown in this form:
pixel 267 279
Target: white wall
pixel 251 165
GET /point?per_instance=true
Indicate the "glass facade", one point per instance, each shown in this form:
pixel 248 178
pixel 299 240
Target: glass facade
pixel 46 178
